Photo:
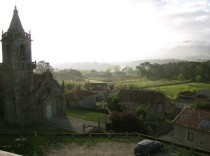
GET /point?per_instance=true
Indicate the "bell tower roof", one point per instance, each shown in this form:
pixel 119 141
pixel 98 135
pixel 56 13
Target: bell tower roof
pixel 15 25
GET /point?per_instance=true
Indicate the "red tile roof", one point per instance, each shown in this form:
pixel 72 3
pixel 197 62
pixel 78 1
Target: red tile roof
pixel 193 118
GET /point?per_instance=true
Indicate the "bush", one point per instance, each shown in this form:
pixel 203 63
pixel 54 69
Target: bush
pixel 204 106
pixel 181 77
pixel 141 111
pixel 126 121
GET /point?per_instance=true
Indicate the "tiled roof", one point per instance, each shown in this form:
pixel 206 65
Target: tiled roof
pixel 193 118
pixel 143 96
pixel 77 95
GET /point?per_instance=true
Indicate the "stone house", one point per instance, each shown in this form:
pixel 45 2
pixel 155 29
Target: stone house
pixel 188 98
pixel 101 89
pixel 97 87
pixel 80 98
pixel 203 96
pixel 192 128
pixel 185 99
pixel 25 97
pixel 157 103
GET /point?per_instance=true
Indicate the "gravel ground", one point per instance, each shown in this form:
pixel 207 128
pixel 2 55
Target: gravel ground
pixel 101 149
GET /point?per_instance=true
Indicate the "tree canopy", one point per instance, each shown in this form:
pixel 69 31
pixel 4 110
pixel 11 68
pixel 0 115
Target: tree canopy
pixel 196 71
pixel 42 67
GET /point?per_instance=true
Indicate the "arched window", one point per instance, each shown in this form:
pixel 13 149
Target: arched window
pixel 7 52
pixel 22 51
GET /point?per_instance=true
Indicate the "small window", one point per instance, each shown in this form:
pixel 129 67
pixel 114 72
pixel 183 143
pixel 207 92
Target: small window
pixel 22 52
pixel 190 136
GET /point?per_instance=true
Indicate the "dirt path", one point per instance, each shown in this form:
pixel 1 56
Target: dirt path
pixel 100 149
pixel 72 124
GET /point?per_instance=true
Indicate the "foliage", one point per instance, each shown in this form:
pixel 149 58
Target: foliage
pixel 126 121
pixel 171 70
pixel 181 77
pixel 86 114
pixel 42 67
pixel 113 102
pixel 67 74
pixel 128 70
pixel 198 78
pixel 204 106
pixel 141 111
pixel 69 86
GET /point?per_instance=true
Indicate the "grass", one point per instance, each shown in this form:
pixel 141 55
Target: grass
pixel 173 90
pixel 38 127
pixel 86 114
pixel 170 87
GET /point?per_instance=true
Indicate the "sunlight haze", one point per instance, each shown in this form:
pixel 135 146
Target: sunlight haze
pixel 107 30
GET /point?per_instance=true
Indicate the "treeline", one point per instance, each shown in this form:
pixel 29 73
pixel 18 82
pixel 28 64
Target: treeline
pixel 194 71
pixel 67 74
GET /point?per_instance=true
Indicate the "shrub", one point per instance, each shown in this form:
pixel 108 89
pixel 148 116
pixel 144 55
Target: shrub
pixel 126 121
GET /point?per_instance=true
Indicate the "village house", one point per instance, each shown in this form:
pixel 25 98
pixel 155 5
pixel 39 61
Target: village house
pixel 25 97
pixel 192 128
pixel 203 96
pixel 81 98
pixel 101 89
pixel 185 99
pixel 157 103
pixel 188 98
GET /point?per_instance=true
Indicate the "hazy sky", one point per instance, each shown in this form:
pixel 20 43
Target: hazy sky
pixel 107 30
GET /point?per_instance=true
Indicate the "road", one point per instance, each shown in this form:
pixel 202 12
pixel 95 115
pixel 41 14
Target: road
pixel 72 124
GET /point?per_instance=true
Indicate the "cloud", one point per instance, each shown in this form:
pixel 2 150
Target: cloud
pixel 189 17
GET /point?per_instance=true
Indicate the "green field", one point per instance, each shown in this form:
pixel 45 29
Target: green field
pixel 86 114
pixel 172 90
pixel 170 87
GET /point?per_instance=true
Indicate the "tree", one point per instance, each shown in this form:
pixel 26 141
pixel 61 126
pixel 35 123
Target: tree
pixel 181 77
pixel 115 68
pixel 128 70
pixel 42 67
pixel 126 121
pixel 198 78
pixel 113 102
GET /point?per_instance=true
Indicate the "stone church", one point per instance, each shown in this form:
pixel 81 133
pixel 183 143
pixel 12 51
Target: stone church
pixel 25 97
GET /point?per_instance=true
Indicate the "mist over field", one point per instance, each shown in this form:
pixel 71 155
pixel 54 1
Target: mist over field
pixel 184 51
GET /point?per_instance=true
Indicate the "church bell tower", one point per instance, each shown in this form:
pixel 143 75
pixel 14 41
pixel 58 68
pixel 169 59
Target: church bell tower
pixel 17 72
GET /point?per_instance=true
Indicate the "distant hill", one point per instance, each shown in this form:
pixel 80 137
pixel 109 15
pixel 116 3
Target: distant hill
pixel 188 50
pixel 184 51
pixel 152 61
pixel 85 66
